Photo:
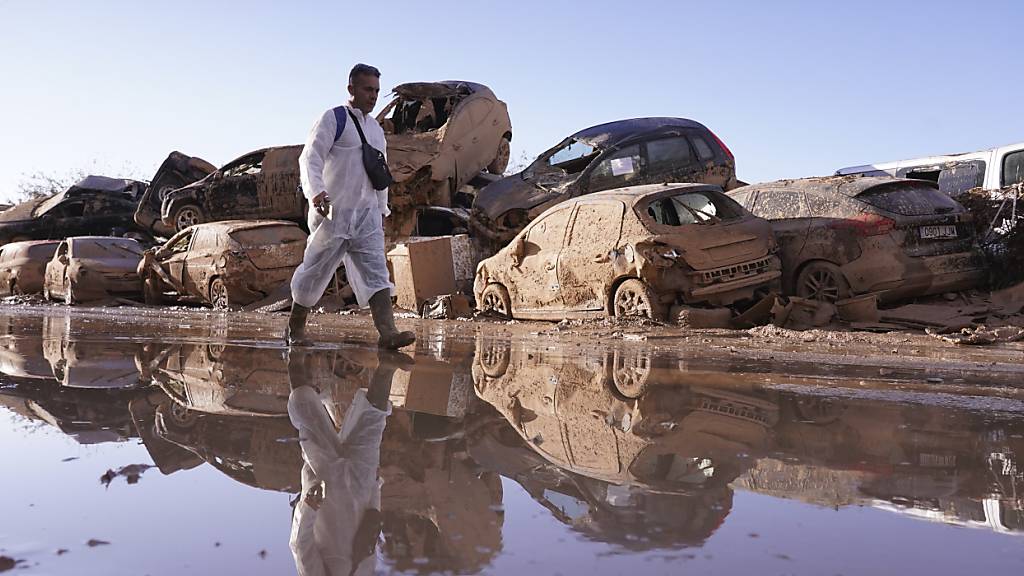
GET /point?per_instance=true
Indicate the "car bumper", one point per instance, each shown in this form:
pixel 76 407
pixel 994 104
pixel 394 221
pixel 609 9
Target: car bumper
pixel 936 275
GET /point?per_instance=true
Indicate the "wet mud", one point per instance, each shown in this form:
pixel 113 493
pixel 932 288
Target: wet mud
pixel 164 441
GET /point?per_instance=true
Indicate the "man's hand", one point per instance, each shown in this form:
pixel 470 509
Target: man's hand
pixel 322 203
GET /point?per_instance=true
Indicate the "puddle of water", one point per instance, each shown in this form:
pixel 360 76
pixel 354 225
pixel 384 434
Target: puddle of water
pixel 222 453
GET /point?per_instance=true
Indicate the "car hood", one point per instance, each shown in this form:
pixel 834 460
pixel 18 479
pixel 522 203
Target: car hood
pixel 510 193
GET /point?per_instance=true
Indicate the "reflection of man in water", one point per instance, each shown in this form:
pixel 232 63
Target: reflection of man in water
pixel 336 523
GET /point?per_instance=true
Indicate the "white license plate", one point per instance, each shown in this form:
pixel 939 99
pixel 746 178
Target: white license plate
pixel 933 232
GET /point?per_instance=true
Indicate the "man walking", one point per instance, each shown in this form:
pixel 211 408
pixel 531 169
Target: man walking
pixel 346 214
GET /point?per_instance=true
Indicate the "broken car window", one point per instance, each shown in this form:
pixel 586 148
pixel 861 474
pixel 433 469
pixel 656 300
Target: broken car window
pixel 908 199
pixel 182 244
pixel 693 208
pixel 1013 168
pixel 668 154
pixel 959 178
pixel 246 166
pixel 573 157
pixel 618 169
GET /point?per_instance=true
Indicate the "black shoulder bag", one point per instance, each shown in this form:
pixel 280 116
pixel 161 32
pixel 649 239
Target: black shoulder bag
pixel 373 160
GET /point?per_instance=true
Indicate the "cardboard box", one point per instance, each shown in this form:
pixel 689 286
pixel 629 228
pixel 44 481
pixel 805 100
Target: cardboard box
pixel 433 387
pixel 422 270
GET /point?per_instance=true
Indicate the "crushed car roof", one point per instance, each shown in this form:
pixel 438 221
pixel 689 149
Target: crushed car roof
pixel 848 186
pixel 442 89
pixel 612 132
pixel 104 184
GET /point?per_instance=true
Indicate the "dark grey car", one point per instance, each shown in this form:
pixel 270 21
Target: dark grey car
pixel 612 155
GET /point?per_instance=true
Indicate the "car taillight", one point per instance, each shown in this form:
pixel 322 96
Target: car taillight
pixel 865 225
pixel 722 145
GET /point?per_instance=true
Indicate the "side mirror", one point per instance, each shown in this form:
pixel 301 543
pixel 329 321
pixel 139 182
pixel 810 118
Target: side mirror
pixel 518 251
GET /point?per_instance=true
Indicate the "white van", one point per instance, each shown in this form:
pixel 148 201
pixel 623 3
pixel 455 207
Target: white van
pixel 992 169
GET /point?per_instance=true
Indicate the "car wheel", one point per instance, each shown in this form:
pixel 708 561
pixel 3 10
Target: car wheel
pixel 219 294
pixel 501 157
pixel 187 215
pixel 822 281
pixel 495 299
pixel 634 298
pixel 630 374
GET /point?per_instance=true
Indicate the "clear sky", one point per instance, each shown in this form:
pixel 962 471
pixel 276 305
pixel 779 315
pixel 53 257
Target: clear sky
pixel 795 89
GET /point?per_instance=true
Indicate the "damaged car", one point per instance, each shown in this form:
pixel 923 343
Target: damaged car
pixel 629 252
pixel 23 265
pixel 223 264
pixel 612 155
pixel 177 170
pixel 94 205
pixel 842 236
pixel 90 268
pixel 440 136
pixel 263 184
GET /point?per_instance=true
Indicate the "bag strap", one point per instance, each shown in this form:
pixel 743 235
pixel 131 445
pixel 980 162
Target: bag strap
pixel 339 122
pixel 358 127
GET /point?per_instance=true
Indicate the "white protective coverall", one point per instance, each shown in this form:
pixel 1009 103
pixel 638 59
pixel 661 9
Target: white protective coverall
pixel 353 231
pixel 346 462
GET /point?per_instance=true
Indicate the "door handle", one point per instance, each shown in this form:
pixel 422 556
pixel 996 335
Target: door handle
pixel 549 265
pixel 600 259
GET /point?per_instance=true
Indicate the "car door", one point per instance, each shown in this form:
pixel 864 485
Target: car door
pixel 234 190
pixel 199 263
pixel 536 283
pixel 790 219
pixel 174 263
pixel 613 169
pixel 584 265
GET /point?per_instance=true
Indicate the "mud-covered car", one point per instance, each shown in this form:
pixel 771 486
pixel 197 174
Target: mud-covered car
pixel 177 170
pixel 263 184
pixel 612 155
pixel 846 235
pixel 95 205
pixel 632 251
pixel 440 136
pixel 88 268
pixel 223 264
pixel 23 265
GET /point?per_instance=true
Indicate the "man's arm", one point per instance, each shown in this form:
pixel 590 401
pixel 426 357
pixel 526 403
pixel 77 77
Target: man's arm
pixel 314 155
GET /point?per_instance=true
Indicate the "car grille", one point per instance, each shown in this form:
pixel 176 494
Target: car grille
pixel 729 273
pixel 733 410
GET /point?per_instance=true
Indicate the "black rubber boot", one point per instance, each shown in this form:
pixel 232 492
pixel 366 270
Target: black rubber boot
pixel 295 334
pixel 384 320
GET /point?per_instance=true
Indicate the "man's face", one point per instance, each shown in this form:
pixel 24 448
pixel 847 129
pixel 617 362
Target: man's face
pixel 364 90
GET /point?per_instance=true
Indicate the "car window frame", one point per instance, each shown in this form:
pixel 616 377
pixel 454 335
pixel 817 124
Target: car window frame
pixel 694 163
pixel 241 160
pixel 544 217
pixel 807 213
pixel 1002 168
pixel 583 181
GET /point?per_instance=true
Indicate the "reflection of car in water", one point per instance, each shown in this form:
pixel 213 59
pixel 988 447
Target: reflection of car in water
pixel 79 361
pixel 616 468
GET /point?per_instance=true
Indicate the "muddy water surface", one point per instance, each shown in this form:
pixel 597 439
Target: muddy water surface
pixel 195 443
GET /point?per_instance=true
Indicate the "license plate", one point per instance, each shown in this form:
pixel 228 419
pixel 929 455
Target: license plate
pixel 933 232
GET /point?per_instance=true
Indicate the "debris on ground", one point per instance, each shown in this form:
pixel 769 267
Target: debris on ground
pixel 980 336
pixel 940 317
pixel 131 474
pixel 691 317
pixel 996 215
pixel 448 307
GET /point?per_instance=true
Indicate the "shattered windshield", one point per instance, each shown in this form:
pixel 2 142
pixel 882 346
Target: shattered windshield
pixel 702 207
pixel 573 157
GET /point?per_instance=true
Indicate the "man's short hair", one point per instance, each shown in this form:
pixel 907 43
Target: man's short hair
pixel 359 70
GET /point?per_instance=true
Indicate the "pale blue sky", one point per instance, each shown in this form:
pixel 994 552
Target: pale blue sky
pixel 794 89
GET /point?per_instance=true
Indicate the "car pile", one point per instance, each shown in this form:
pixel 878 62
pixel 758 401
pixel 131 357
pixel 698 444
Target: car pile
pixel 635 217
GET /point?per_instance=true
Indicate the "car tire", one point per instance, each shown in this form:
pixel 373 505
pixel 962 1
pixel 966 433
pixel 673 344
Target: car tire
pixel 501 158
pixel 495 299
pixel 187 215
pixel 822 281
pixel 630 377
pixel 218 295
pixel 634 298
